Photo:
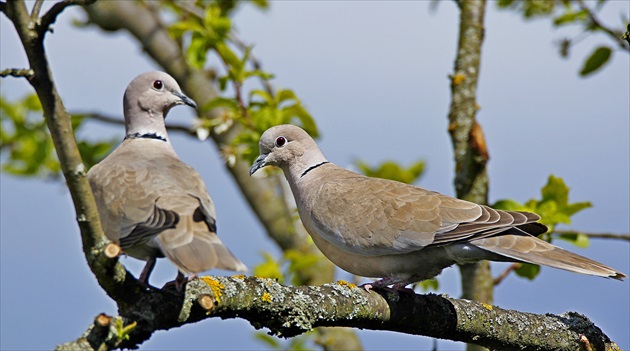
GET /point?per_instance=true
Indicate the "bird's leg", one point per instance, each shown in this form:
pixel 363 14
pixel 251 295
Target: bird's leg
pixel 146 272
pixel 180 281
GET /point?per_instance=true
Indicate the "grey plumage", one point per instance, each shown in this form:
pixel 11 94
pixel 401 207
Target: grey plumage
pixel 149 201
pixel 402 233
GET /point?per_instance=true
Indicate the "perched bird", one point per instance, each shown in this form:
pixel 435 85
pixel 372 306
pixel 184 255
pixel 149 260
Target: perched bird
pixel 149 201
pixel 401 233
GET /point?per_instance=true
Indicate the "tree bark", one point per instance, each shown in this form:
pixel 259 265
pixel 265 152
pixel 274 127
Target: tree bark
pixel 290 311
pixel 471 155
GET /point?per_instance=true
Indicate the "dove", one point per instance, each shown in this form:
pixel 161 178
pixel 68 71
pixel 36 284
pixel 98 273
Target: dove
pixel 150 202
pixel 400 233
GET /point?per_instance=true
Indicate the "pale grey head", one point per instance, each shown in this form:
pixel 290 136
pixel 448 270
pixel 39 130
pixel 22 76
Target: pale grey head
pixel 287 146
pixel 148 99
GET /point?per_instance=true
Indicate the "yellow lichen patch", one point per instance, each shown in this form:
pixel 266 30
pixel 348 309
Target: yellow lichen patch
pixel 458 78
pixel 216 287
pixel 488 307
pixel 345 283
pixel 266 297
pixel 238 276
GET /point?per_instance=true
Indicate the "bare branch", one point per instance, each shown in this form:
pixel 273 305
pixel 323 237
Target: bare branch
pixel 290 311
pixel 119 121
pixel 51 16
pixel 625 237
pixel 505 273
pixel 36 8
pixel 17 72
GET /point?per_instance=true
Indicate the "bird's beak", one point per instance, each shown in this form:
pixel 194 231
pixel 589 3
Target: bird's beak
pixel 259 163
pixel 185 99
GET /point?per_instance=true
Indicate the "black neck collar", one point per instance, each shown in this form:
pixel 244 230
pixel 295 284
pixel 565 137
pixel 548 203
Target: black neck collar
pixel 313 167
pixel 145 136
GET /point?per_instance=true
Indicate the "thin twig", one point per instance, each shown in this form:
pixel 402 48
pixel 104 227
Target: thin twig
pixel 255 62
pixel 505 273
pixel 17 72
pixel 594 235
pixel 51 16
pixel 119 121
pixel 232 36
pixel 617 36
pixel 36 8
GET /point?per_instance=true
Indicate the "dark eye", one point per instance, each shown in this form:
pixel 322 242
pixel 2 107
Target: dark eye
pixel 158 85
pixel 280 141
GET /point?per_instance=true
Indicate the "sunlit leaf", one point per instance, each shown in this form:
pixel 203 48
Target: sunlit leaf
pixel 268 340
pixel 269 268
pixel 577 239
pixel 429 284
pixel 392 170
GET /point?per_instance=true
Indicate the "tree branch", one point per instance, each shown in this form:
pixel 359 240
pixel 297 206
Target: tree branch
pixel 17 72
pixel 469 146
pixel 625 237
pixel 180 128
pixel 290 311
pixel 51 16
pixel 36 9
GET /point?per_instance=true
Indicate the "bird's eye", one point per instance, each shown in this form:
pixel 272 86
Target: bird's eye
pixel 280 141
pixel 158 85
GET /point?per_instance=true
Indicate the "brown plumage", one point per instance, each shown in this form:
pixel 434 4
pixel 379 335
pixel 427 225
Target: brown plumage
pixel 149 201
pixel 402 233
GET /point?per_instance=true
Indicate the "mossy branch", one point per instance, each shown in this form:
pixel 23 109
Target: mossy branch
pixel 290 311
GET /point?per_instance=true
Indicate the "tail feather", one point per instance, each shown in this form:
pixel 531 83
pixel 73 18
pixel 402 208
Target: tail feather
pixel 194 249
pixel 527 248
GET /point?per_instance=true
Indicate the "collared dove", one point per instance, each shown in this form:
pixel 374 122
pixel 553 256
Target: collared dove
pixel 401 233
pixel 149 201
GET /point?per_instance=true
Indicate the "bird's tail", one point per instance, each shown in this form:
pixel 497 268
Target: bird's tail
pixel 194 249
pixel 526 248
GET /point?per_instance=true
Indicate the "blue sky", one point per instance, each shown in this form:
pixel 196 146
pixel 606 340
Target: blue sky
pixel 375 77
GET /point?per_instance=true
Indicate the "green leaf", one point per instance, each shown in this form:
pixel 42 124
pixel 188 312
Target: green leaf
pixel 197 50
pixel 510 205
pixel 570 17
pixel 180 28
pixel 392 170
pixel 596 61
pixel 577 239
pixel 429 284
pixel 284 95
pixel 527 270
pixel 229 56
pixel 268 340
pixel 576 207
pixel 555 190
pixel 270 268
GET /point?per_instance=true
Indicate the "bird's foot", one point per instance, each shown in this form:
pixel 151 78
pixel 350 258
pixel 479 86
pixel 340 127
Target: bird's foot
pixel 180 282
pixel 383 284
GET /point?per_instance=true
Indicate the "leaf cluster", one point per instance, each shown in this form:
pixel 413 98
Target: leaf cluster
pixel 573 12
pixel 554 208
pixel 207 29
pixel 26 145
